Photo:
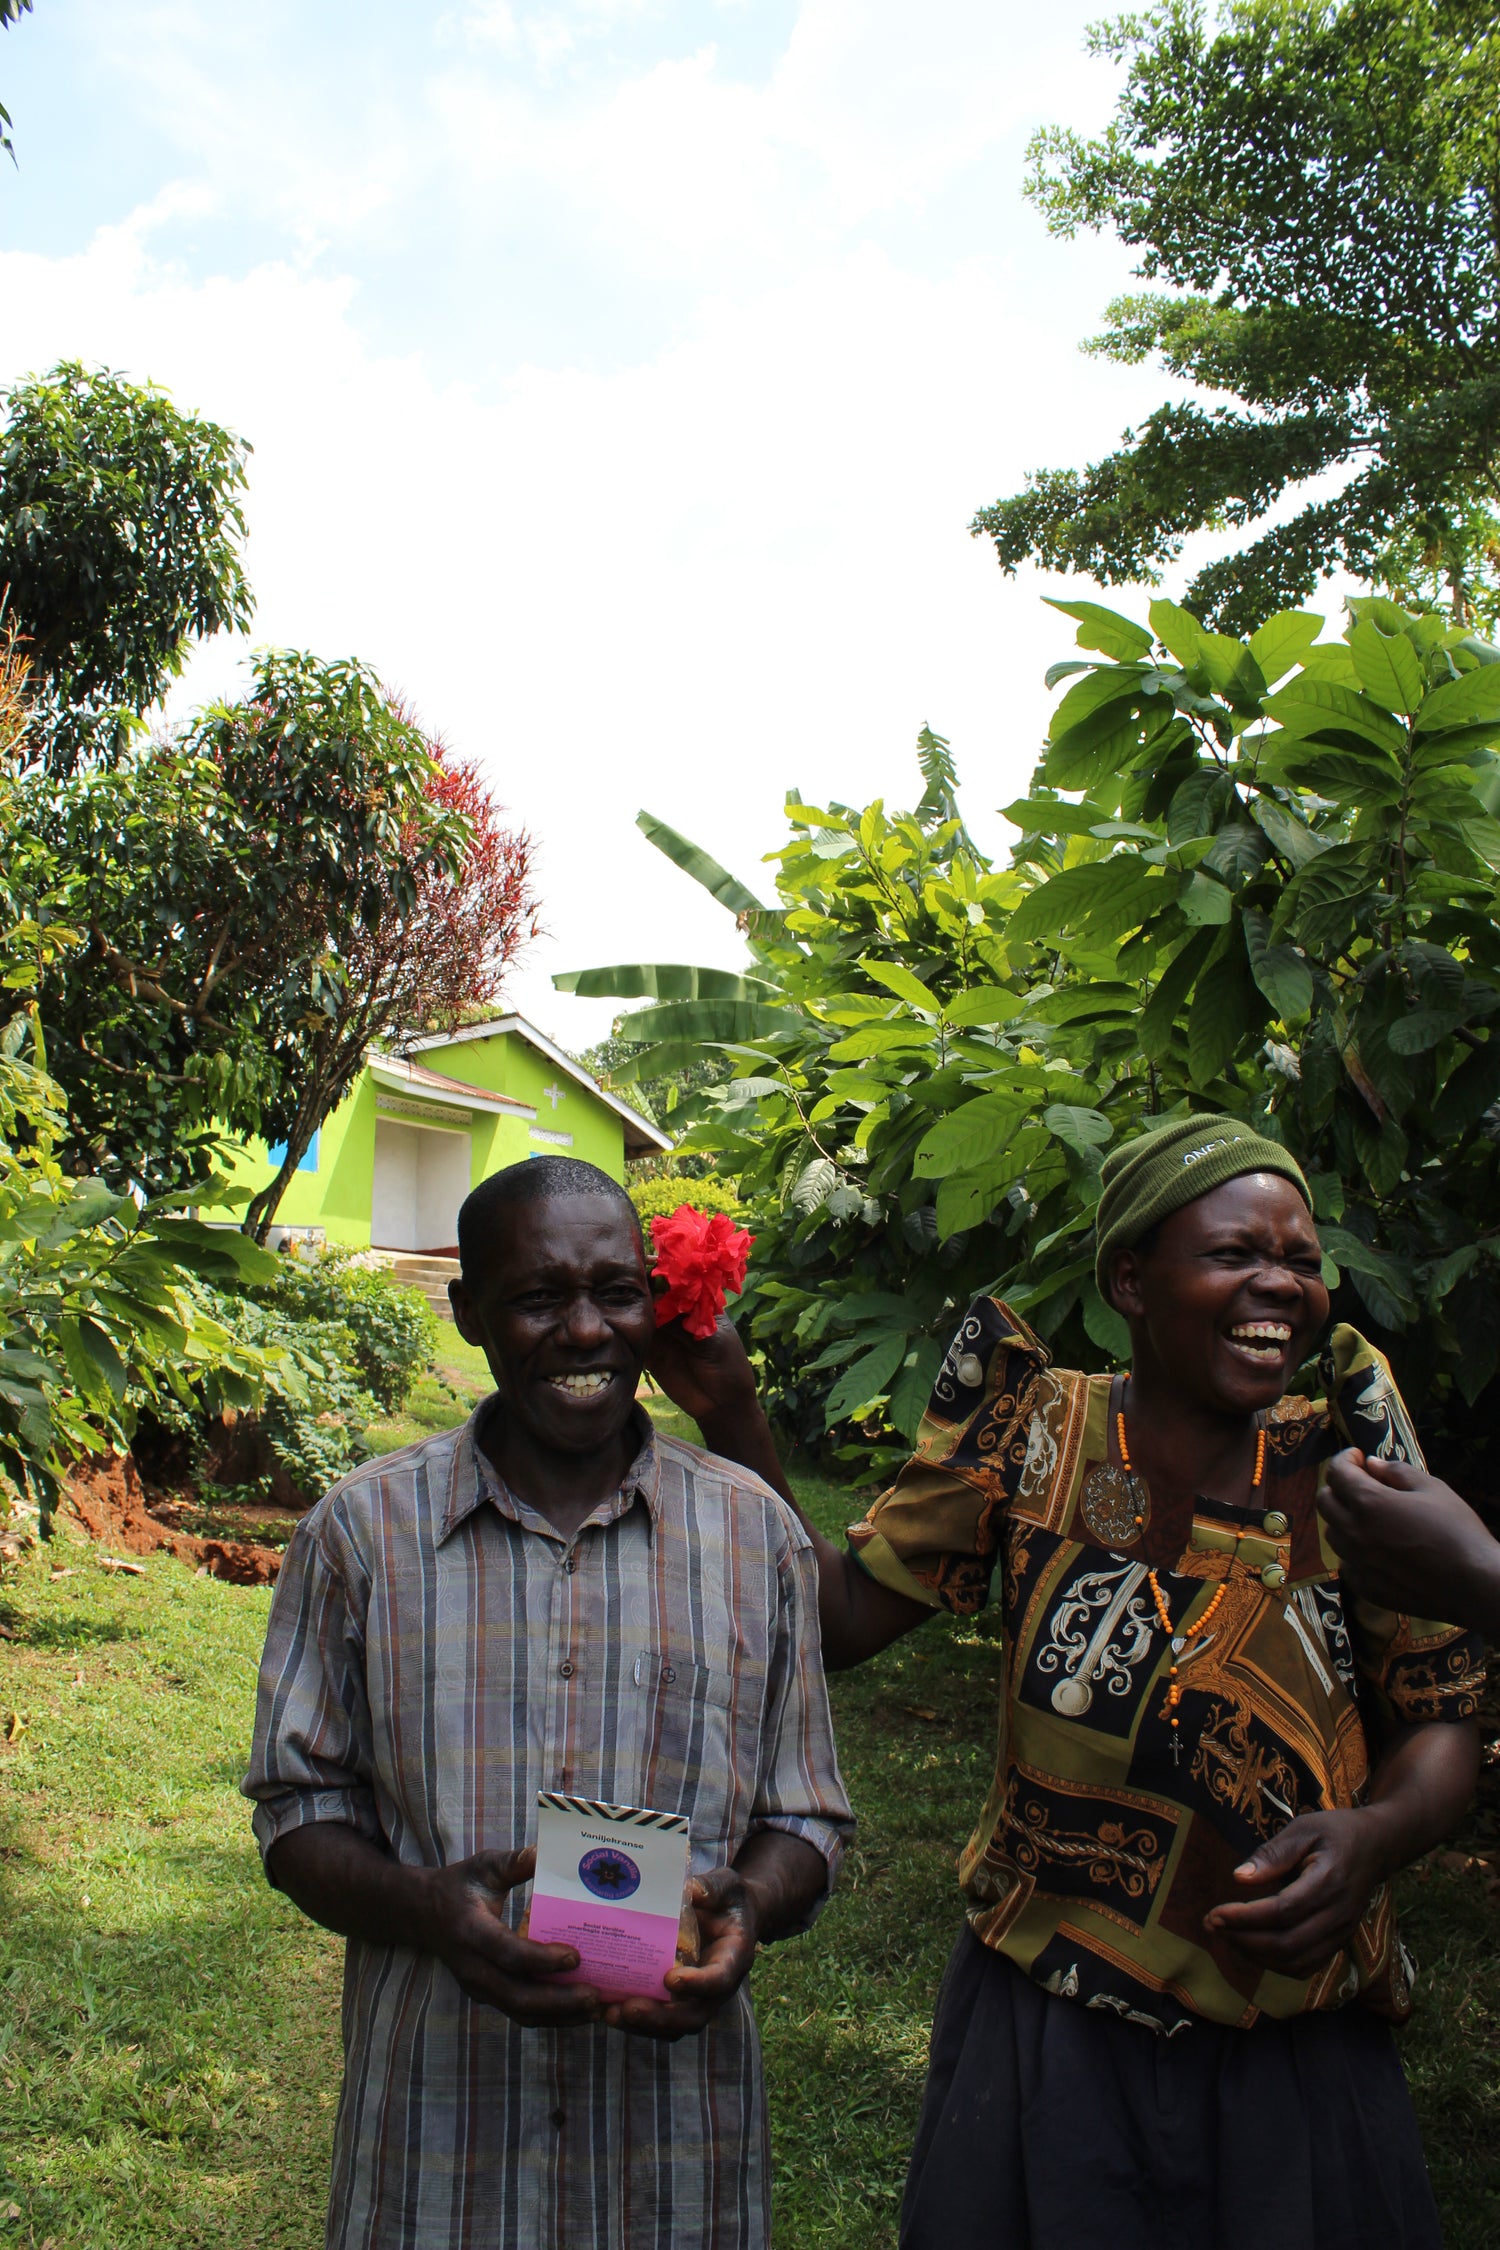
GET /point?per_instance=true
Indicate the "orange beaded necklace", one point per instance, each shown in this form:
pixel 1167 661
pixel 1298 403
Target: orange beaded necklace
pixel 1164 1615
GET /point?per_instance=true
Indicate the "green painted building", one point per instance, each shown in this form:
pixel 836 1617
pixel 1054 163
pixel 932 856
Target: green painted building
pixel 394 1161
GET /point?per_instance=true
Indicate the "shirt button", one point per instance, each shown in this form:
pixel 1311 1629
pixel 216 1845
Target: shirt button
pixel 1273 1576
pixel 565 1671
pixel 571 1564
pixel 1275 1524
pixel 669 1674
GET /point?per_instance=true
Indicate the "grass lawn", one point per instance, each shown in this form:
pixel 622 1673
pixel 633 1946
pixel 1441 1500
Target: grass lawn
pixel 169 2052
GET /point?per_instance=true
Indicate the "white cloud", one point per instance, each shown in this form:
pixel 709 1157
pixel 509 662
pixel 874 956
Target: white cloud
pixel 686 576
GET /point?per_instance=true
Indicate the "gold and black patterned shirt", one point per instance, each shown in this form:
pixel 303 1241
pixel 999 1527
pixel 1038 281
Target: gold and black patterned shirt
pixel 1104 1841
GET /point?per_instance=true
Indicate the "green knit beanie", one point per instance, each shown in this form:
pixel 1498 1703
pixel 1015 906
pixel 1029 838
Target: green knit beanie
pixel 1146 1179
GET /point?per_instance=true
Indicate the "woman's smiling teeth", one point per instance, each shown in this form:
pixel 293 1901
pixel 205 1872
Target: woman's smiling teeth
pixel 590 1385
pixel 1261 1339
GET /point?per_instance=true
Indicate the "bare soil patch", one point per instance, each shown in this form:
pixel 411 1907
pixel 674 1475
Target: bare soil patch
pixel 118 1511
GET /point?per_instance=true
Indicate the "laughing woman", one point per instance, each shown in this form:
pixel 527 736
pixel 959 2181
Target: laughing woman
pixel 1167 2020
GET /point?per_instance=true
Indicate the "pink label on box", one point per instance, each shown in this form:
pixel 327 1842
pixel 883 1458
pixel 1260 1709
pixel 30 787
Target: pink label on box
pixel 619 1950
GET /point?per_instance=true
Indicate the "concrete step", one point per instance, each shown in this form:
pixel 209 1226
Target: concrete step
pixel 431 1276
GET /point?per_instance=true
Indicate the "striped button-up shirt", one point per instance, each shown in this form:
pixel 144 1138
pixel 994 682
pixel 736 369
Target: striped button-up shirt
pixel 437 1653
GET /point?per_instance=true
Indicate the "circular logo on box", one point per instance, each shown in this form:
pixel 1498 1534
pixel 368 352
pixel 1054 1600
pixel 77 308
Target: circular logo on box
pixel 608 1874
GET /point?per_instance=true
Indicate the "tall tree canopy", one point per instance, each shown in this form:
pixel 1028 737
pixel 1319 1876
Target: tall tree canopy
pixel 1317 183
pixel 256 899
pixel 438 926
pixel 120 537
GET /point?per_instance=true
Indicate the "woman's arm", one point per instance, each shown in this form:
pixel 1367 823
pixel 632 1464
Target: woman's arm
pixel 1305 1890
pixel 711 1379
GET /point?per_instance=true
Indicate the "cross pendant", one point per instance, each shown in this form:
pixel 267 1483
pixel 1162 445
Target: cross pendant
pixel 1176 1749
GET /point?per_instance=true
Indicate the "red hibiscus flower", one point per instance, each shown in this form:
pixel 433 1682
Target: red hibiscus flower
pixel 700 1256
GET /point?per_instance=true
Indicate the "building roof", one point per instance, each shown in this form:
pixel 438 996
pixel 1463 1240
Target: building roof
pixel 416 1080
pixel 642 1138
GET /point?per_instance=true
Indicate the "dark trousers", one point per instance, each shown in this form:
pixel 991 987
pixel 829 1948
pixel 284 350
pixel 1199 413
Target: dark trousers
pixel 1050 2126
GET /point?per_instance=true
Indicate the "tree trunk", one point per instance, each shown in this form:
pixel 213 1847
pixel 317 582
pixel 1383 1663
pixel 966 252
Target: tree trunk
pixel 261 1210
pixel 336 1061
pixel 1458 599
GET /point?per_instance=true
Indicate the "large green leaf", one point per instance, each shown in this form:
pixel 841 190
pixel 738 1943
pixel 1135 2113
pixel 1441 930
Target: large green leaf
pixel 874 1304
pixel 913 1387
pixel 1085 1131
pixel 1472 1089
pixel 1231 668
pixel 857 1085
pixel 712 1019
pixel 101 1350
pixel 1280 971
pixel 1473 700
pixel 1389 667
pixel 1237 852
pixel 867 1379
pixel 814 1184
pixel 966 1199
pixel 1319 905
pixel 659 1060
pixel 1097 691
pixel 215 1251
pixel 1320 710
pixel 1283 641
pixel 1106 630
pixel 1296 842
pixel 897 978
pixel 883 1039
pixel 694 861
pixel 1090 754
pixel 968 1136
pixel 1222 1011
pixel 1104 1326
pixel 1423 1029
pixel 1177 629
pixel 1166 1003
pixel 1077 1003
pixel 1204 901
pixel 662 980
pixel 1054 816
pixel 983 1004
pixel 1114 893
pixel 1199 804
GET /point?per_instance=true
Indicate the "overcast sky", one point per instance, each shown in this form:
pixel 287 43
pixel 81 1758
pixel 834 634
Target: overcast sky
pixel 622 377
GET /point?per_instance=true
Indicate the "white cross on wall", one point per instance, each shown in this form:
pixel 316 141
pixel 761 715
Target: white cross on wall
pixel 554 1094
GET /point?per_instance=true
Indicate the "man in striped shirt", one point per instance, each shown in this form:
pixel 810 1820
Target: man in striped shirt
pixel 552 1597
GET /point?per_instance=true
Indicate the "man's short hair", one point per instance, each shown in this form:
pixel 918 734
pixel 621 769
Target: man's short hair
pixel 536 1179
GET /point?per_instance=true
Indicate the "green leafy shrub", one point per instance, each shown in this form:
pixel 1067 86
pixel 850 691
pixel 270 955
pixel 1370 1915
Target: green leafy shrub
pixel 118 1318
pixel 393 1332
pixel 1255 875
pixel 658 1198
pixel 104 1302
pixel 312 1431
pixel 355 1341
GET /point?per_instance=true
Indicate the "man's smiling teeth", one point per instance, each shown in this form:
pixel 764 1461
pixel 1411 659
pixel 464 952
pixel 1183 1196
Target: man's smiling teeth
pixel 582 1386
pixel 1261 1339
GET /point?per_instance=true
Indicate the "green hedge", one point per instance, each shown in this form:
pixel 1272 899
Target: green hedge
pixel 658 1198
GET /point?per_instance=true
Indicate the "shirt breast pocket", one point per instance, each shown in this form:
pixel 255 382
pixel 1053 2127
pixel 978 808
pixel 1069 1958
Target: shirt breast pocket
pixel 688 1717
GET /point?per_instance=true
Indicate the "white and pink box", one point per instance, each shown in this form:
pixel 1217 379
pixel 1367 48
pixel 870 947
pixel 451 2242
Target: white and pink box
pixel 609 1881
